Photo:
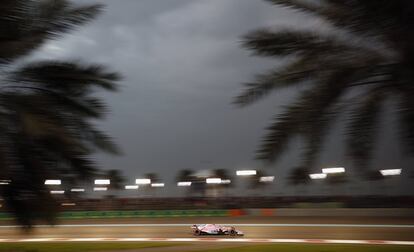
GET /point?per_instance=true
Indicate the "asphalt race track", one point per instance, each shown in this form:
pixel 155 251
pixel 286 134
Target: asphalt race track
pixel 338 228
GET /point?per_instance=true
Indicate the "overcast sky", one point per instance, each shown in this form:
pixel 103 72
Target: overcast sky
pixel 182 64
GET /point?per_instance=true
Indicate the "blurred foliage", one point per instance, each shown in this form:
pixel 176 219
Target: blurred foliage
pixel 153 177
pixel 374 175
pixel 116 178
pixel 224 175
pixel 197 184
pixel 254 181
pixel 299 176
pixel 336 178
pixel 47 108
pixel 363 56
pixel 185 175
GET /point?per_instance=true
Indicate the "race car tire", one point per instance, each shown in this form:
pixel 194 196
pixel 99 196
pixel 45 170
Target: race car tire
pixel 232 232
pixel 197 232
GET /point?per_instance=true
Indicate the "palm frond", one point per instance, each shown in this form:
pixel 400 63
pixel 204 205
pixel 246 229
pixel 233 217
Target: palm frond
pixel 304 117
pixel 46 107
pixel 369 45
pixel 367 18
pixel 293 74
pixel 50 120
pixel 314 136
pixel 265 42
pixel 406 120
pixel 382 19
pixel 62 16
pixel 303 6
pixel 100 140
pixel 82 166
pixel 26 25
pixel 68 77
pixel 299 175
pixel 363 128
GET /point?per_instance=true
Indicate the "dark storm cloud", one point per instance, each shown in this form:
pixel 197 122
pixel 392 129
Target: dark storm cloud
pixel 182 64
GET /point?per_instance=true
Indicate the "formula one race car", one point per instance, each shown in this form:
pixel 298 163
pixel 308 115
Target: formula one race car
pixel 213 229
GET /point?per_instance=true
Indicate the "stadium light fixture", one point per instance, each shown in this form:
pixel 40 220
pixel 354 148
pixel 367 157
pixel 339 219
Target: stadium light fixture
pixel 390 172
pixel 102 182
pixel 246 172
pixel 68 204
pixel 53 182
pixel 131 187
pixel 184 183
pixel 318 176
pixel 333 170
pixel 57 192
pixel 5 182
pixel 157 185
pixel 77 190
pixel 100 188
pixel 267 179
pixel 225 181
pixel 213 180
pixel 143 181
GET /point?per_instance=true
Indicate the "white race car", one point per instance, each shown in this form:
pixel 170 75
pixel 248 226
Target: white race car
pixel 213 229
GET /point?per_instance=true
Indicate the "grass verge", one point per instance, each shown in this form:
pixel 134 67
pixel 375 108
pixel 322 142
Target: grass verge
pixel 117 246
pixel 80 246
pixel 315 248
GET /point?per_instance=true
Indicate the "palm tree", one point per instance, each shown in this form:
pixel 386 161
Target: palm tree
pixel 116 178
pixel 373 177
pixel 184 175
pixel 255 180
pixel 363 57
pixel 255 183
pixel 154 179
pixel 220 189
pixel 116 184
pixel 224 175
pixel 47 108
pixel 335 180
pixel 299 176
pixel 197 184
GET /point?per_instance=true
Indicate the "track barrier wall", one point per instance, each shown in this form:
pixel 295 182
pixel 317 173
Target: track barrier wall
pixel 265 212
